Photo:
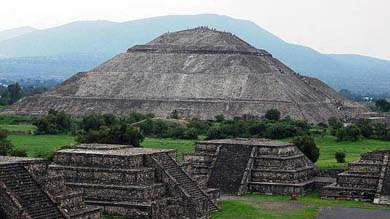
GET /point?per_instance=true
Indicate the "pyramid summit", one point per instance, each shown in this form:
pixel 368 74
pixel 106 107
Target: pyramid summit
pixel 199 73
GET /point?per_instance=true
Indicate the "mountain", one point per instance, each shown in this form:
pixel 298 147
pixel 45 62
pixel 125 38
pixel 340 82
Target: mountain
pixel 12 33
pixel 100 40
pixel 198 72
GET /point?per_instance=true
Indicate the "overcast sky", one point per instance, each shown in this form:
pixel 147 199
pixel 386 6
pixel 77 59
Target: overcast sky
pixel 331 26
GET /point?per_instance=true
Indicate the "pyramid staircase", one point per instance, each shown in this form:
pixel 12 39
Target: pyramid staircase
pixel 242 165
pixel 185 183
pixel 231 161
pixel 28 193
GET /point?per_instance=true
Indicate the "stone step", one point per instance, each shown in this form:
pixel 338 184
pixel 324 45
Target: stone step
pixel 138 210
pixel 86 213
pixel 120 193
pixel 79 159
pixel 281 188
pixel 296 175
pixel 350 193
pixel 117 176
pixel 170 166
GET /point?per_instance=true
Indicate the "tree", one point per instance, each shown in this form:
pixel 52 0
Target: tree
pixel 55 122
pixel 5 145
pixel 7 148
pixel 308 147
pixel 219 118
pixel 366 127
pixel 272 114
pixel 382 105
pixel 115 134
pixel 349 133
pixel 15 92
pixel 334 124
pixel 340 157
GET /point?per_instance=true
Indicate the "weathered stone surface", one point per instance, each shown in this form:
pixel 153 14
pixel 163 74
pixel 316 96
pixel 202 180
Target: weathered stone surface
pixel 251 165
pixel 367 179
pixel 134 182
pixel 27 191
pixel 198 72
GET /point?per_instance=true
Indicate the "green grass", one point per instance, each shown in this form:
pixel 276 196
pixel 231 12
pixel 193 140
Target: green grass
pixel 182 146
pixel 280 207
pixel 329 146
pixel 19 129
pixel 45 144
pixel 40 145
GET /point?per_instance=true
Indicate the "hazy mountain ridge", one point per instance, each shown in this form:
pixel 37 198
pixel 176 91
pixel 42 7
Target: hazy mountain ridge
pixel 12 33
pixel 99 40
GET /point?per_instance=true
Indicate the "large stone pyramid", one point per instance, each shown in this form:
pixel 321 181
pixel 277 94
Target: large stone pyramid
pixel 199 73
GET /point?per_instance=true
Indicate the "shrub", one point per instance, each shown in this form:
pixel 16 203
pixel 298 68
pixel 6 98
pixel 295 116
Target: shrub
pixel 215 133
pixel 19 153
pixel 334 124
pixel 191 133
pixel 219 118
pixel 366 127
pixel 340 157
pixel 174 115
pixel 55 122
pixel 308 147
pixel 115 134
pixel 349 133
pixel 6 146
pixel 272 114
pixel 201 126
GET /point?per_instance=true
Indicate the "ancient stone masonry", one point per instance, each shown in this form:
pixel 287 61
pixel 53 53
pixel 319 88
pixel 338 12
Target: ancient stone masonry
pixel 134 182
pixel 367 179
pixel 239 166
pixel 199 73
pixel 28 192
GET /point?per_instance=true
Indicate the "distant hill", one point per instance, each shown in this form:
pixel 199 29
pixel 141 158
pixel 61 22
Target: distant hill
pixel 12 33
pixel 99 40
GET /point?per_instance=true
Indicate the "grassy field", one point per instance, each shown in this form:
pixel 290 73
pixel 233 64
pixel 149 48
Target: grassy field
pixel 328 146
pixel 19 129
pixel 182 146
pixel 40 145
pixel 279 207
pixel 45 144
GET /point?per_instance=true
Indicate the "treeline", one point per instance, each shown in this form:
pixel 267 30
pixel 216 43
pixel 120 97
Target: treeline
pixel 132 129
pixel 363 128
pixel 12 92
pixel 382 105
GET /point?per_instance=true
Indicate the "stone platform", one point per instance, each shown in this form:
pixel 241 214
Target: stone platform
pixel 239 166
pixel 27 191
pixel 367 180
pixel 133 182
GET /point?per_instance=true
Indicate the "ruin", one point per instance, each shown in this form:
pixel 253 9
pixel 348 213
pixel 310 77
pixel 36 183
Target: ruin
pixel 27 191
pixel 199 73
pixel 240 166
pixel 134 182
pixel 366 180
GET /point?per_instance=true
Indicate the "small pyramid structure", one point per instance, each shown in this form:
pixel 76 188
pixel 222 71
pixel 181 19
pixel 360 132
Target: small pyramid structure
pixel 240 166
pixel 199 73
pixel 367 179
